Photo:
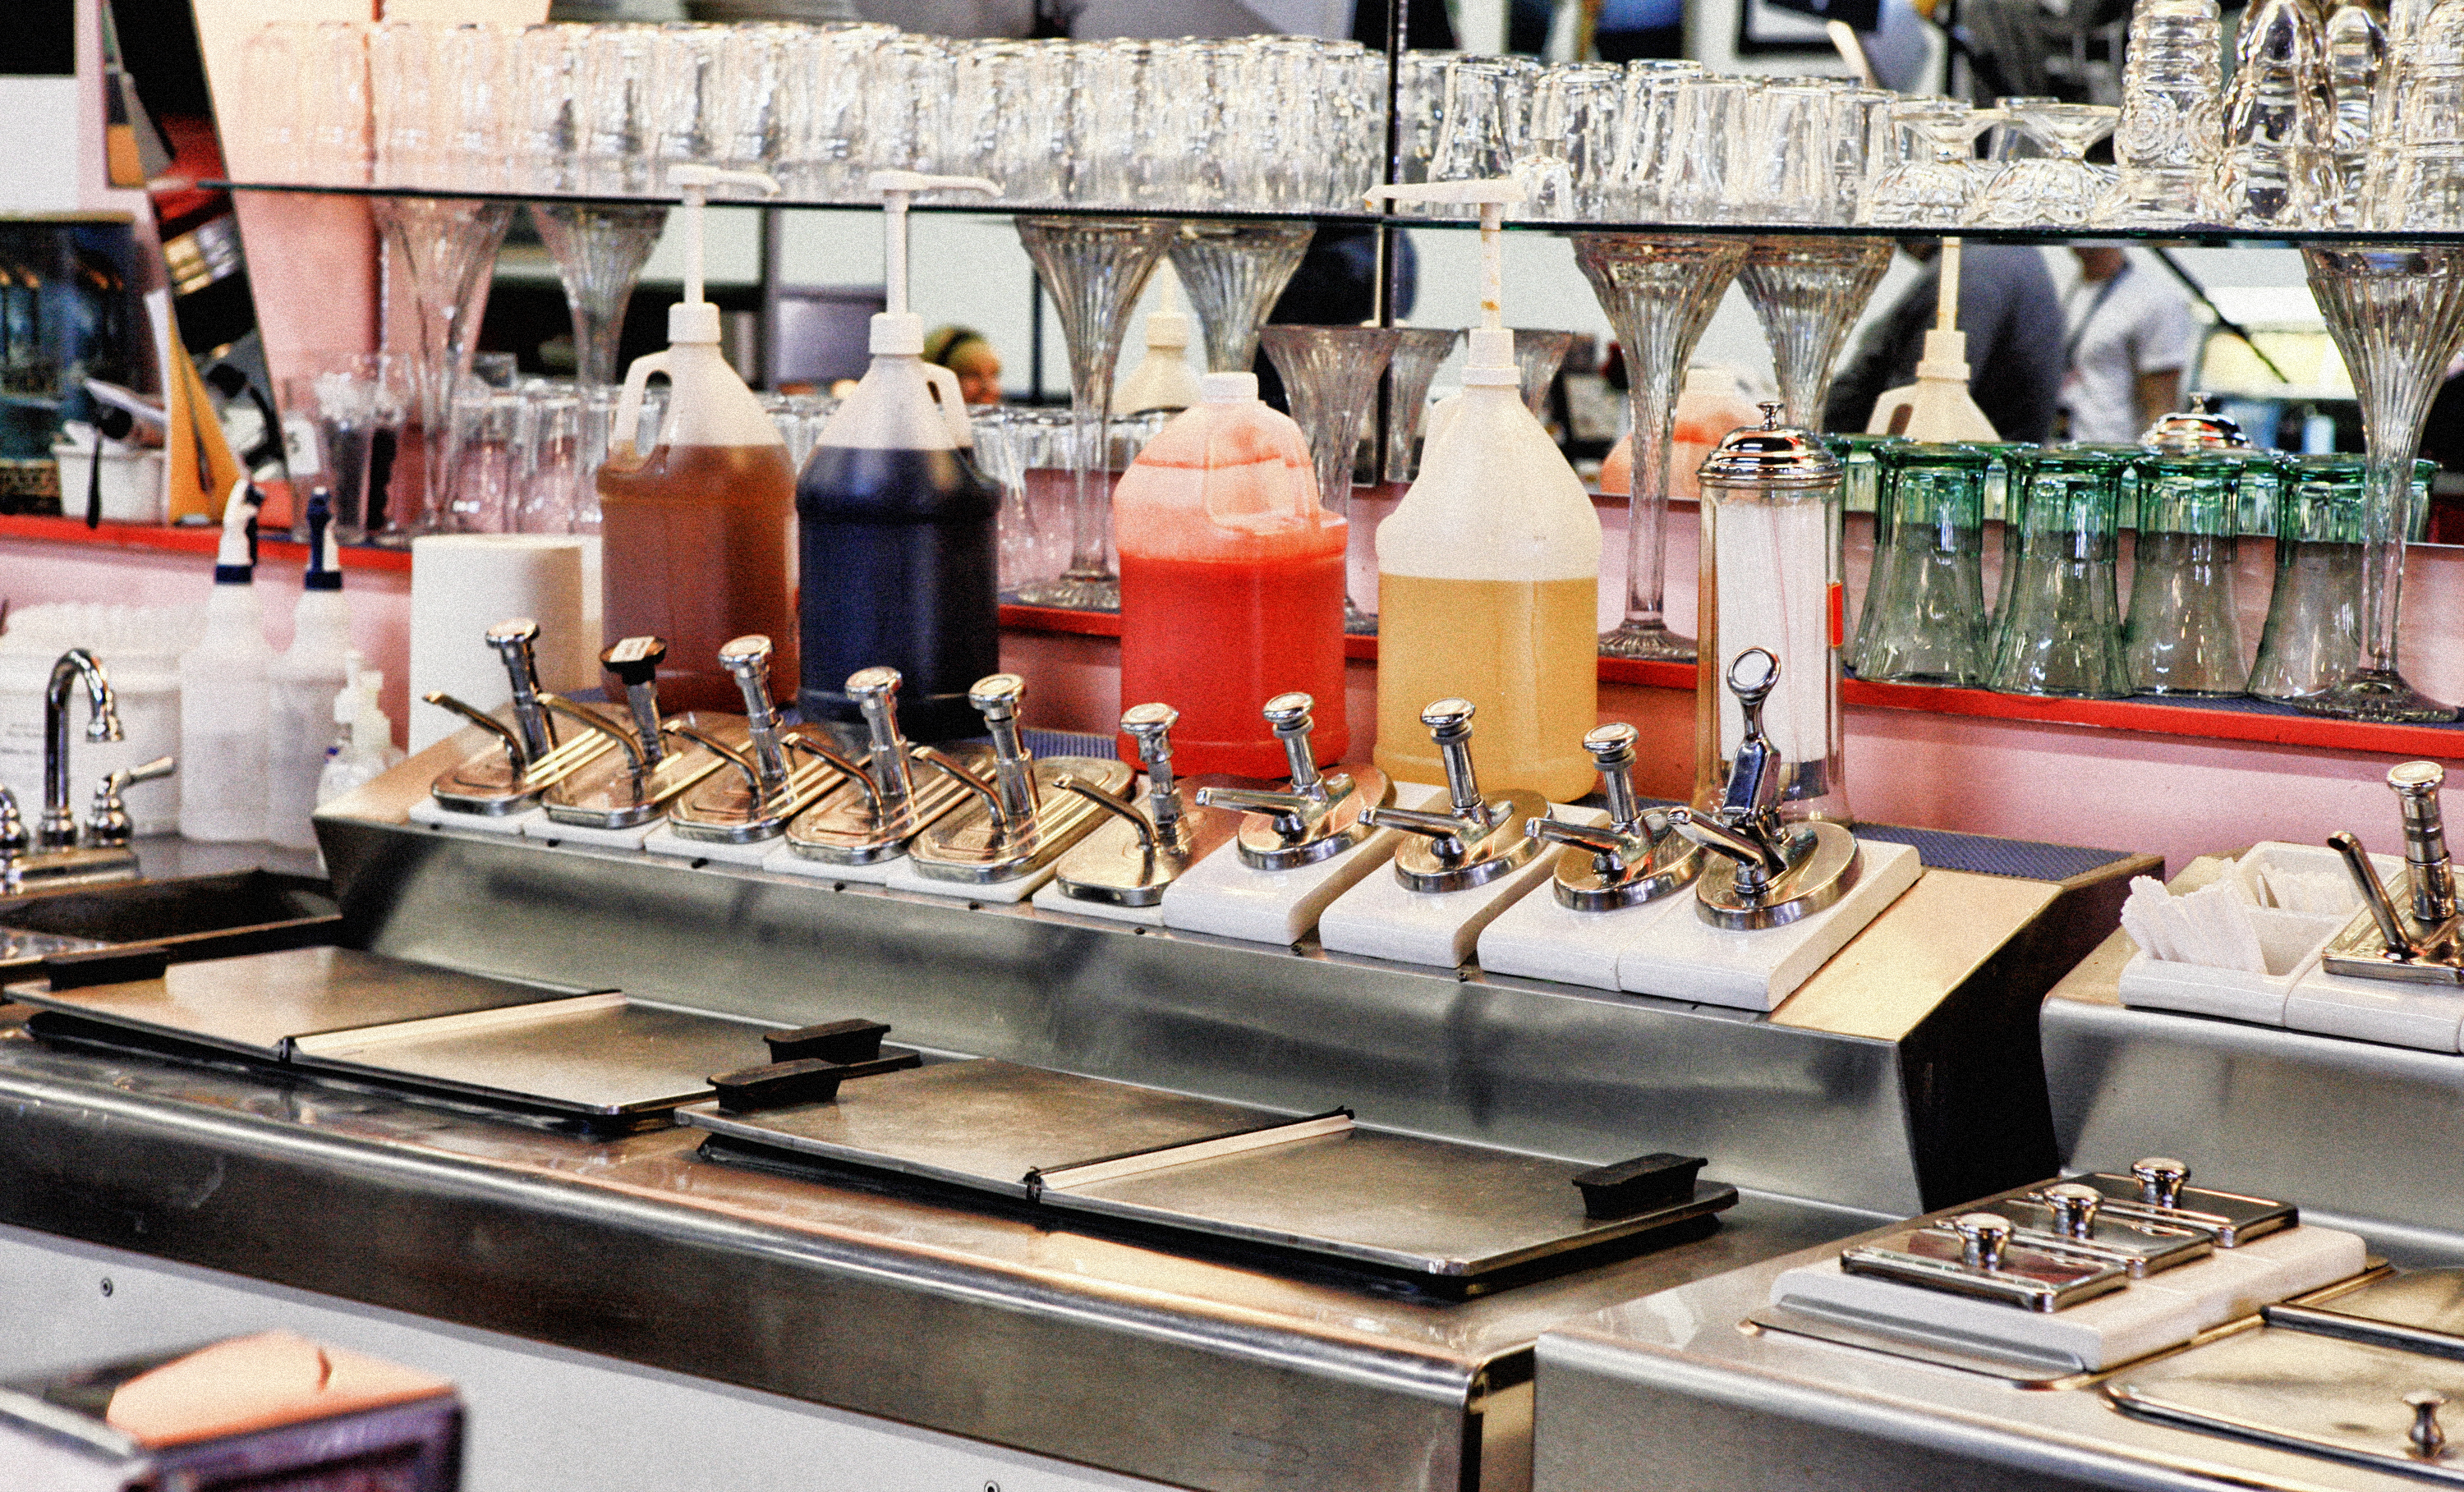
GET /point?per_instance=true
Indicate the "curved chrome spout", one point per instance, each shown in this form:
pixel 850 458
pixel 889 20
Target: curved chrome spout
pixel 797 739
pixel 57 827
pixel 635 758
pixel 958 773
pixel 1118 807
pixel 516 761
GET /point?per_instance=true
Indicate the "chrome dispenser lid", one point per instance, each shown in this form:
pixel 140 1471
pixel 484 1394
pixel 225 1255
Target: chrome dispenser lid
pixel 1772 455
pixel 2199 427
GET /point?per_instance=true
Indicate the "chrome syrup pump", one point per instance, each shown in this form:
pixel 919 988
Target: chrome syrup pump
pixel 766 789
pixel 1637 857
pixel 2415 940
pixel 1022 819
pixel 1131 860
pixel 1772 872
pixel 635 785
pixel 528 760
pixel 890 805
pixel 1313 818
pixel 1477 838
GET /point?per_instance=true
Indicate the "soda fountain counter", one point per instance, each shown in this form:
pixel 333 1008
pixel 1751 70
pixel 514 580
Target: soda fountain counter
pixel 2329 1080
pixel 617 1291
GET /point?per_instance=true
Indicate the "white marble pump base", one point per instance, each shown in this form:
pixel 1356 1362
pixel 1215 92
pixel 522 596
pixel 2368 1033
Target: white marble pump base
pixel 436 816
pixel 666 841
pixel 1052 898
pixel 2163 1310
pixel 1380 919
pixel 785 860
pixel 1688 958
pixel 2388 1011
pixel 1540 937
pixel 1222 896
pixel 539 827
pixel 903 877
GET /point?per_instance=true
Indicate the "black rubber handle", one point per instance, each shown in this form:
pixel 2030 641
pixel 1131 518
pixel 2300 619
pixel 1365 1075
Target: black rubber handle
pixel 1643 1184
pixel 635 660
pixel 832 1041
pixel 104 966
pixel 807 1080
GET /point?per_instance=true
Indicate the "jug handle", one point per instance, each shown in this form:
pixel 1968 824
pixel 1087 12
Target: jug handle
pixel 952 403
pixel 628 403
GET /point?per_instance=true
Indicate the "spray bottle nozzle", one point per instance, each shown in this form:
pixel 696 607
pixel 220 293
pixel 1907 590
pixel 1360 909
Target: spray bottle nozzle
pixel 694 319
pixel 323 573
pixel 1491 354
pixel 236 560
pixel 898 332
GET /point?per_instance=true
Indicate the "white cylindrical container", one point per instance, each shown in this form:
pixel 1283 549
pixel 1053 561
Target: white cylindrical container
pixel 1770 579
pixel 461 584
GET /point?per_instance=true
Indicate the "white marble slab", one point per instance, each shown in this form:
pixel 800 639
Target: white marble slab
pixel 1052 898
pixel 539 827
pixel 1541 938
pixel 1688 958
pixel 2393 1014
pixel 2113 1328
pixel 1222 896
pixel 1379 918
pixel 436 816
pixel 666 841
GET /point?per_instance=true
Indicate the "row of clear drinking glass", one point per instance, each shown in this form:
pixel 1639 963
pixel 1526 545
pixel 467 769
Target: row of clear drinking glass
pixel 2058 627
pixel 1256 123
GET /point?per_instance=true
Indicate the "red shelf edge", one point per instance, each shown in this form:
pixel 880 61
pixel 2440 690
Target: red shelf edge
pixel 2146 718
pixel 195 540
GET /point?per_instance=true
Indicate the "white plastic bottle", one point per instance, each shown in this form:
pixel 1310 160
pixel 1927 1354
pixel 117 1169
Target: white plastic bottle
pixel 363 747
pixel 223 693
pixel 300 690
pixel 1163 378
pixel 1488 572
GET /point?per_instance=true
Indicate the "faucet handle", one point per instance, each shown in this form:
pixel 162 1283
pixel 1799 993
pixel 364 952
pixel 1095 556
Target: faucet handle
pixel 997 698
pixel 15 840
pixel 1982 1238
pixel 107 824
pixel 1611 751
pixel 1754 774
pixel 748 659
pixel 1151 727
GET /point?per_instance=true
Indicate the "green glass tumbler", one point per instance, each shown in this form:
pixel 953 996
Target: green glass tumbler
pixel 1925 620
pixel 2184 631
pixel 2059 630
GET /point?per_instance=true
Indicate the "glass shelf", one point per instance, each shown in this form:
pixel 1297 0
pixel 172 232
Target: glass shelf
pixel 2203 237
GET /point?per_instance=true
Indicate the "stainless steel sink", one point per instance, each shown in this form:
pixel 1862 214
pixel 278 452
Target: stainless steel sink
pixel 203 916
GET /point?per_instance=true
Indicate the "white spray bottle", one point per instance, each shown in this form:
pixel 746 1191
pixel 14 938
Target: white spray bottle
pixel 223 692
pixel 301 687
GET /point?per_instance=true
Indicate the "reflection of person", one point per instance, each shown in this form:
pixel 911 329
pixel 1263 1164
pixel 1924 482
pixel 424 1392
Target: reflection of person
pixel 2129 337
pixel 964 352
pixel 2014 323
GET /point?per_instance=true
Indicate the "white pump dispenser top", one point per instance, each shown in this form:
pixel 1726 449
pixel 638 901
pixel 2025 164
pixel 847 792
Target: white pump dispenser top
pixel 903 403
pixel 1491 354
pixel 1163 378
pixel 898 332
pixel 708 405
pixel 235 559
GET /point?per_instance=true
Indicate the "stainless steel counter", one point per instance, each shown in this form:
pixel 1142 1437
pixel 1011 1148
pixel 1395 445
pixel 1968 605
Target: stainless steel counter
pixel 976 1320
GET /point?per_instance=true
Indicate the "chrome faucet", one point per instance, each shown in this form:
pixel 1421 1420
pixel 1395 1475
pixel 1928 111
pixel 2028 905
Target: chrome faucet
pixel 57 827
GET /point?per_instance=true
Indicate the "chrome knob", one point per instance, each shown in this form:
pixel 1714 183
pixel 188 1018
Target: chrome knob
pixel 1449 723
pixel 635 662
pixel 2416 785
pixel 997 698
pixel 2427 1436
pixel 1290 716
pixel 1982 1238
pixel 1151 727
pixel 2160 1180
pixel 748 659
pixel 1611 751
pixel 875 692
pixel 15 840
pixel 514 640
pixel 2075 1207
